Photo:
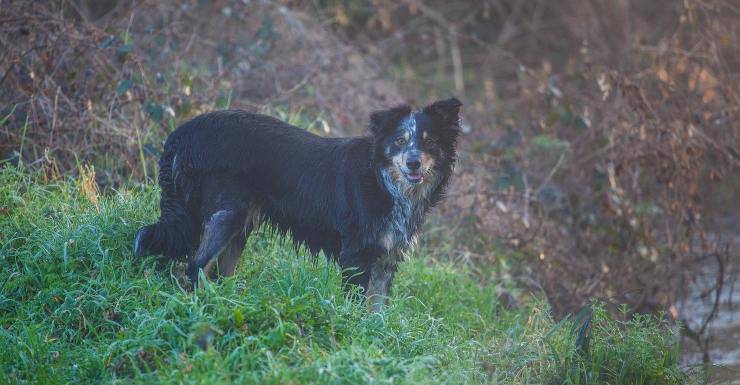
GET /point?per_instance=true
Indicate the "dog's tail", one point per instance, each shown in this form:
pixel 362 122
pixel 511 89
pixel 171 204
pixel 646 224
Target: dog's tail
pixel 175 234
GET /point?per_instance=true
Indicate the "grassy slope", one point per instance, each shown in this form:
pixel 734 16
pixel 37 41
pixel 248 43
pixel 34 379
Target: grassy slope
pixel 76 307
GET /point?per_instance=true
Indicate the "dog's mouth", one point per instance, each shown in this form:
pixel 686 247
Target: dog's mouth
pixel 413 176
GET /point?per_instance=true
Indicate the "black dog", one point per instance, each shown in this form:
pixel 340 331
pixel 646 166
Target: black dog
pixel 359 200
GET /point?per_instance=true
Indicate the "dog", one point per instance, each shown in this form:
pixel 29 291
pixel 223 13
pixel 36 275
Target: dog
pixel 360 200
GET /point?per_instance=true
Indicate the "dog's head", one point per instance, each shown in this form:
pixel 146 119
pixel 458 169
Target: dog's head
pixel 414 146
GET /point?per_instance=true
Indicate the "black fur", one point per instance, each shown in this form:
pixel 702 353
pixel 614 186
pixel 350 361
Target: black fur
pixel 225 172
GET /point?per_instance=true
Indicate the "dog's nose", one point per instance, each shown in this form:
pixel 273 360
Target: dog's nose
pixel 413 164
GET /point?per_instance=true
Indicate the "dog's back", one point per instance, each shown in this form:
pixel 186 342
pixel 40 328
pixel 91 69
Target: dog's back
pixel 279 172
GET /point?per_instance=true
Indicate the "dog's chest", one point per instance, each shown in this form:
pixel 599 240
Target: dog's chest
pixel 398 232
pixel 399 227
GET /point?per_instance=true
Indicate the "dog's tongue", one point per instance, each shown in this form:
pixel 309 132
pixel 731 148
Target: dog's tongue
pixel 414 177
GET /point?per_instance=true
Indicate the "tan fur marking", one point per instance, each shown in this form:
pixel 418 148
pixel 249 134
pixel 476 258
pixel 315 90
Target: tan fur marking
pixel 229 258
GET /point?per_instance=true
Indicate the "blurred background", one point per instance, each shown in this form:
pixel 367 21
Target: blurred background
pixel 601 138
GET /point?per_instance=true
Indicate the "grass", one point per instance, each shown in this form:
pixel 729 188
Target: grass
pixel 76 307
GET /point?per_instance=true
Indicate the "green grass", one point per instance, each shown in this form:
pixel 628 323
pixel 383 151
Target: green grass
pixel 76 307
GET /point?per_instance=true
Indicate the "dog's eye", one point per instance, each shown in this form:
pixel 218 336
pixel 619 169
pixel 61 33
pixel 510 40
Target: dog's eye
pixel 401 141
pixel 429 141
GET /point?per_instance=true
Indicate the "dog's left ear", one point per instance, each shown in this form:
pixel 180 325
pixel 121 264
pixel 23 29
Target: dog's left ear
pixel 447 111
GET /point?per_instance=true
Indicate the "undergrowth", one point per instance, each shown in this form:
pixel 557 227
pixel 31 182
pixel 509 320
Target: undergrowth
pixel 76 307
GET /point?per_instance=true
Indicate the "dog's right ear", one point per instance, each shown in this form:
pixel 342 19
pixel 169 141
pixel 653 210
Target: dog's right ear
pixel 382 121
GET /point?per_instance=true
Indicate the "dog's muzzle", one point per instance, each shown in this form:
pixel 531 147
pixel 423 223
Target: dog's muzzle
pixel 413 173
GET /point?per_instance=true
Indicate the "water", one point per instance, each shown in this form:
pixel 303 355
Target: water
pixel 724 330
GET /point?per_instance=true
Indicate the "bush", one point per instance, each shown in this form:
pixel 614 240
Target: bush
pixel 106 92
pixel 600 140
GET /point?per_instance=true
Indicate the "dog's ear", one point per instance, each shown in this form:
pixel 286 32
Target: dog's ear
pixel 382 121
pixel 447 111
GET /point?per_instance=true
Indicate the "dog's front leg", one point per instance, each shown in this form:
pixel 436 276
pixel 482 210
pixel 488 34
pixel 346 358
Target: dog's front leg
pixel 381 277
pixel 355 266
pixel 355 276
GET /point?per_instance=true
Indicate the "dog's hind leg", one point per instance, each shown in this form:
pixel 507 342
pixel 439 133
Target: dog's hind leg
pixel 228 259
pixel 219 231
